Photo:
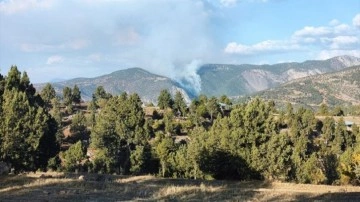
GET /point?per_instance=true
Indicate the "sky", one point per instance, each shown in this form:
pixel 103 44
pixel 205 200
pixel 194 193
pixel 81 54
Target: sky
pixel 58 39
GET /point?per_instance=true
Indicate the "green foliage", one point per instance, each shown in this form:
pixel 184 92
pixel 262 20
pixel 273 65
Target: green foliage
pixel 165 100
pixel 27 131
pixel 163 150
pixel 179 104
pixel 212 107
pixel 328 130
pixel 67 96
pixel 337 111
pixel 76 95
pixel 13 78
pixel 100 93
pixel 311 172
pixel 356 132
pixel 340 139
pixel 278 157
pixel 253 141
pixel 78 127
pixel 73 156
pixel 224 99
pixel 168 122
pixel 119 127
pixel 54 163
pixel 141 159
pixel 48 94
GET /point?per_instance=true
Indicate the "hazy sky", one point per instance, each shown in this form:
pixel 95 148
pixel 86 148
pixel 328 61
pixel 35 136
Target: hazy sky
pixel 84 38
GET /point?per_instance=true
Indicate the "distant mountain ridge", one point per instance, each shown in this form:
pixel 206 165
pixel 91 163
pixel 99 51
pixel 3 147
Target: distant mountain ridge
pixel 335 88
pixel 216 79
pixel 234 80
pixel 132 80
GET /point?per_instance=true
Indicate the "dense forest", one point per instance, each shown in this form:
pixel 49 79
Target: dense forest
pixel 211 138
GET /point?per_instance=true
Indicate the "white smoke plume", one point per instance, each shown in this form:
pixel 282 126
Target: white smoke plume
pixel 188 77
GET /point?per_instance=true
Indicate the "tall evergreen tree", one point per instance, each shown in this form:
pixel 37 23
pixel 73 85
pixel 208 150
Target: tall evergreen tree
pixel 73 156
pixel 339 144
pixel 48 94
pixel 119 127
pixel 212 107
pixel 76 95
pixel 13 78
pixel 100 93
pixel 328 130
pixel 179 103
pixel 67 96
pixel 27 131
pixel 163 150
pixel 165 100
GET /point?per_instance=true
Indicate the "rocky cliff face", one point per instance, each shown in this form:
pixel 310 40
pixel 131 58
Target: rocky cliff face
pixel 335 88
pixel 236 80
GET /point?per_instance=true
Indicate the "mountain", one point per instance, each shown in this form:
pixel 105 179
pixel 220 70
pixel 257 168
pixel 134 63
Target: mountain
pixel 133 80
pixel 235 80
pixel 216 79
pixel 336 88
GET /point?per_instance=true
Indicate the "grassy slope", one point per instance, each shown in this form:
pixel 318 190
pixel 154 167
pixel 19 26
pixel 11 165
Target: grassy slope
pixel 64 187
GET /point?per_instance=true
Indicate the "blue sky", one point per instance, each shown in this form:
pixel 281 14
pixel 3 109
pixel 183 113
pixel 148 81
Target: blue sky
pixel 53 39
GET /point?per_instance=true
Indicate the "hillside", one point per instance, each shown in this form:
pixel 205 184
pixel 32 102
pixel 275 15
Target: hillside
pixel 133 80
pixel 337 88
pixel 234 80
pixel 216 79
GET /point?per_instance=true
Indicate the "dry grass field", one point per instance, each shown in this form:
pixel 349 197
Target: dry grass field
pixel 93 187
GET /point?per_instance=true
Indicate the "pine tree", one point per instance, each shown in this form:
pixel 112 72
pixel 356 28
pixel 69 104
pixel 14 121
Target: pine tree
pixel 76 95
pixel 278 157
pixel 163 149
pixel 73 156
pixel 67 96
pixel 165 100
pixel 339 144
pixel 48 94
pixel 119 127
pixel 100 93
pixel 78 127
pixel 212 107
pixel 13 78
pixel 27 131
pixel 328 130
pixel 179 103
pixel 140 159
pixel 356 132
